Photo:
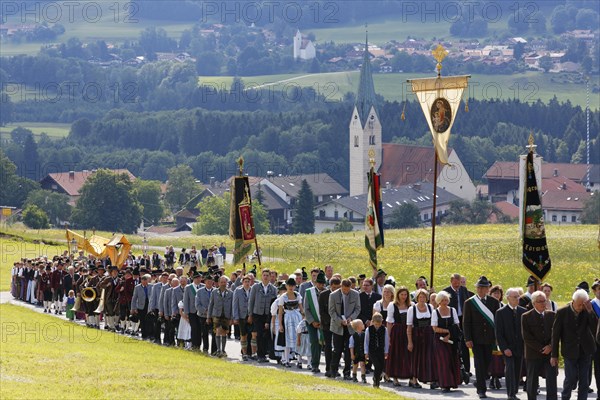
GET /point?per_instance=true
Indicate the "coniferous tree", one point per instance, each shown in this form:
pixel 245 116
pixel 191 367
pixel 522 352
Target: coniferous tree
pixel 304 216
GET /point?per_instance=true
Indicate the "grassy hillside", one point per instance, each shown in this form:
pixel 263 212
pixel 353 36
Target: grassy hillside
pixel 527 87
pixel 53 130
pixel 45 358
pixel 493 250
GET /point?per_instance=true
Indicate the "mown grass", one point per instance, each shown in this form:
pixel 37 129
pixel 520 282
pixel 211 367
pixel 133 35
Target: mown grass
pixel 45 358
pixel 526 87
pixel 491 250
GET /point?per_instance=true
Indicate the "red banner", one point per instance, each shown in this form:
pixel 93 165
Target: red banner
pixel 246 222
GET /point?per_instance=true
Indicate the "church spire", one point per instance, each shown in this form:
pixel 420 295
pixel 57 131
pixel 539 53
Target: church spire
pixel 365 98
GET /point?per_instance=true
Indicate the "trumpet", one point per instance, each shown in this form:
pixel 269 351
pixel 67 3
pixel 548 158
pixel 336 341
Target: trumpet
pixel 88 294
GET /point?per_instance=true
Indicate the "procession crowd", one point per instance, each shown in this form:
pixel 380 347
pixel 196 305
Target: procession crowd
pixel 370 324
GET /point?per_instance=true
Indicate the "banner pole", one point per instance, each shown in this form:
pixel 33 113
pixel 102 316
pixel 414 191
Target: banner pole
pixel 433 218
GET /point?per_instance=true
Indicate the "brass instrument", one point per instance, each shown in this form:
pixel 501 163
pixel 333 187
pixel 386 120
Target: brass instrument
pixel 100 308
pixel 77 305
pixel 88 294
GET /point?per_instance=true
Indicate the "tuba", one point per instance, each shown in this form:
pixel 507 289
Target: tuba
pixel 88 294
pixel 100 308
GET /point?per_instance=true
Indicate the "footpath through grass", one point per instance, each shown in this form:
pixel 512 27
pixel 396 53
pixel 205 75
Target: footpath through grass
pixel 42 357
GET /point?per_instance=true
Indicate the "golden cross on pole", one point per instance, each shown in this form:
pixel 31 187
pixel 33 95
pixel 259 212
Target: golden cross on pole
pixel 531 146
pixel 372 158
pixel 240 162
pixel 439 53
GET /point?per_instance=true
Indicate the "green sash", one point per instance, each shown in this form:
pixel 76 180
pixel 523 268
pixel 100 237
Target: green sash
pixel 487 314
pixel 310 294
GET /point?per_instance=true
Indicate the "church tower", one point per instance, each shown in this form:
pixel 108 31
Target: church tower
pixel 365 129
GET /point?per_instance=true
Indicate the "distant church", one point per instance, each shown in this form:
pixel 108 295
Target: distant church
pixel 399 164
pixel 304 49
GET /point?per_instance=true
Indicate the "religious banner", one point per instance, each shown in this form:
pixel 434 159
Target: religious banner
pixel 374 216
pixel 241 225
pixel 536 258
pixel 440 98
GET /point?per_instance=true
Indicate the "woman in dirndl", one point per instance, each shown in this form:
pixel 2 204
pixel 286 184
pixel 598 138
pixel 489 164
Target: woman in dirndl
pixel 398 364
pixel 290 315
pixel 277 353
pixel 444 322
pixel 420 341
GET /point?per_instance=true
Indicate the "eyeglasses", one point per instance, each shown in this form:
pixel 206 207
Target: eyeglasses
pixel 540 301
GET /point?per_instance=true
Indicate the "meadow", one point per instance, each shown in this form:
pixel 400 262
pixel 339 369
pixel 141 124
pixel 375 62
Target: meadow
pixel 527 87
pixel 42 357
pixel 491 250
pixel 52 129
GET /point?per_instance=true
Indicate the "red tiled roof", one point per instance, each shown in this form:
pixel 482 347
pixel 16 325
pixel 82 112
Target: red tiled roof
pixel 406 164
pixel 558 183
pixel 71 183
pixel 508 209
pixel 564 200
pixel 510 170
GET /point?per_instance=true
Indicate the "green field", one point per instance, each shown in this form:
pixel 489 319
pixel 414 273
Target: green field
pixel 528 87
pixel 493 250
pixel 52 129
pixel 46 358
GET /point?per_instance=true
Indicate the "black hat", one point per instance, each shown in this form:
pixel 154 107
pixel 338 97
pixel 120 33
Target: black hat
pixel 585 286
pixel 253 270
pixel 143 271
pixel 304 274
pixel 48 268
pixel 282 286
pixel 101 267
pixel 208 276
pixel 136 271
pixel 196 275
pixel 128 271
pixel 530 281
pixel 362 276
pixel 93 269
pixel 291 282
pixel 390 281
pixel 483 282
pixel 113 268
pixel 321 278
pixel 380 272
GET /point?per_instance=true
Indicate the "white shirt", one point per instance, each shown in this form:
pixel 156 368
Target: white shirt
pixel 390 315
pixel 420 315
pixel 453 314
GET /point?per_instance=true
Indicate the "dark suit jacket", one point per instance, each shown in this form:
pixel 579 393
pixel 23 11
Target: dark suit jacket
pixel 464 295
pixel 574 333
pixel 537 333
pixel 366 305
pixel 508 330
pixel 324 309
pixel 475 327
pixel 598 335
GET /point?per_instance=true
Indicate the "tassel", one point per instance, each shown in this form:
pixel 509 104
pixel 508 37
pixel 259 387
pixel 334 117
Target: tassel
pixel 402 117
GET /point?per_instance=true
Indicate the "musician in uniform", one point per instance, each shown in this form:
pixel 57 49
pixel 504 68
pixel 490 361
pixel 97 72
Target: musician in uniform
pixel 111 297
pixel 478 327
pixel 96 274
pixel 46 289
pixel 125 291
pixel 57 285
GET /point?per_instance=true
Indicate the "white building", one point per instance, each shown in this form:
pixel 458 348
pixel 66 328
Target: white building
pixel 304 49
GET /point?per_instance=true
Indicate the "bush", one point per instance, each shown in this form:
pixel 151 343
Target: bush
pixel 35 218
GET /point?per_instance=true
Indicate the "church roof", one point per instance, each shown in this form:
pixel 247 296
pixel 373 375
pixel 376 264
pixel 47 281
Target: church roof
pixel 365 98
pixel 405 164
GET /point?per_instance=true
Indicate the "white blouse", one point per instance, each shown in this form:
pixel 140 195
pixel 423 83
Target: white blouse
pixel 390 315
pixel 434 317
pixel 420 315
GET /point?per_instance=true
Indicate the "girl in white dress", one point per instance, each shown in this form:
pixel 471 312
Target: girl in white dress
pixel 290 315
pixel 184 332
